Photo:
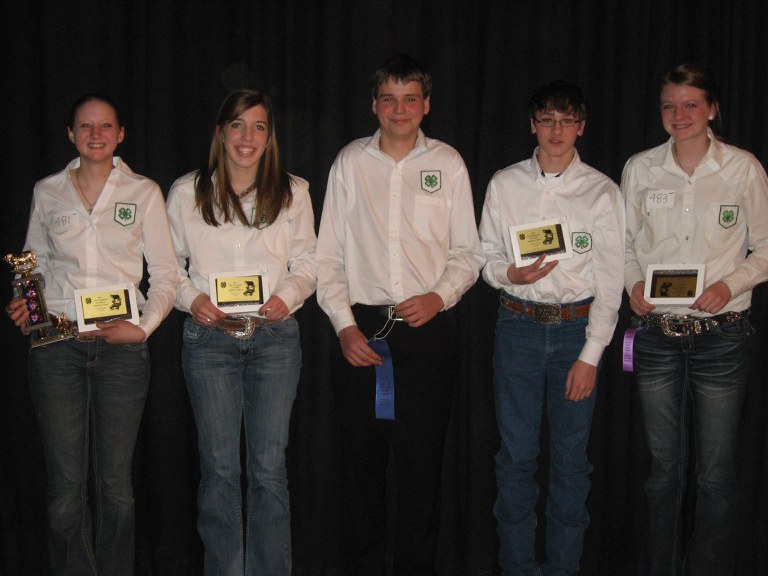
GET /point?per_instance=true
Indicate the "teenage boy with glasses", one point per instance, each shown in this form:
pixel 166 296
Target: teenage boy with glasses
pixel 560 272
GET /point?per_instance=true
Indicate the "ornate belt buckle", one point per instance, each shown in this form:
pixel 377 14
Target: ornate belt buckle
pixel 547 313
pixel 248 328
pixel 672 325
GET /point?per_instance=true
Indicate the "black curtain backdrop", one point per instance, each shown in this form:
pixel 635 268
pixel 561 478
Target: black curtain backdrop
pixel 170 63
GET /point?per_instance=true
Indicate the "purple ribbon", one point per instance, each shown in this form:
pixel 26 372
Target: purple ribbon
pixel 628 350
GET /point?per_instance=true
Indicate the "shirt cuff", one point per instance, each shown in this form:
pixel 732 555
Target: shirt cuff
pixel 591 352
pixel 500 269
pixel 447 294
pixel 342 318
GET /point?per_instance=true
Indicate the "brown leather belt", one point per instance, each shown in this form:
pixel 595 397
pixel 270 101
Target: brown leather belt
pixel 240 326
pixel 543 312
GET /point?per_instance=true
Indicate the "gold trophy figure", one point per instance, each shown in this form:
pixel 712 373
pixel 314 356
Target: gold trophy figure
pixel 30 287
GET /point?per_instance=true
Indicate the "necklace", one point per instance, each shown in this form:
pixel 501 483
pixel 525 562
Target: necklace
pixel 247 191
pixel 81 192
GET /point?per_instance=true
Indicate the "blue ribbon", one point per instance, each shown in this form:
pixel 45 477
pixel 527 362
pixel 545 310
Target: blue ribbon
pixel 385 381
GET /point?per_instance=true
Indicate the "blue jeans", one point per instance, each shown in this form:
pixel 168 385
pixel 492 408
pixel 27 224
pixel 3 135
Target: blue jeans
pixel 89 398
pixel 700 377
pixel 250 383
pixel 530 365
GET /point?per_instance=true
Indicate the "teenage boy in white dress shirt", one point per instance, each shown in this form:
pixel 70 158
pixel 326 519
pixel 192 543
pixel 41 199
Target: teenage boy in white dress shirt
pixel 555 320
pixel 397 248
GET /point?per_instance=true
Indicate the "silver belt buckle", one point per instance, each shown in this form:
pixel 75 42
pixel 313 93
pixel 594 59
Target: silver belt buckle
pixel 247 331
pixel 673 327
pixel 547 313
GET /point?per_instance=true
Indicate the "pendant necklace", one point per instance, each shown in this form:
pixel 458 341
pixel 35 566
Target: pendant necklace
pixel 81 192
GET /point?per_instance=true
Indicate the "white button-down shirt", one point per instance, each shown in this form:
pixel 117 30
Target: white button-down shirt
pixel 78 250
pixel 591 203
pixel 710 218
pixel 392 230
pixel 285 249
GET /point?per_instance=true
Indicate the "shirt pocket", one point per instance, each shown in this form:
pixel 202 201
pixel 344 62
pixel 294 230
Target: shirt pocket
pixel 431 217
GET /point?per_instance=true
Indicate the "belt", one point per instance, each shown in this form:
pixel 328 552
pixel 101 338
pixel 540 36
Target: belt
pixel 240 326
pixel 677 325
pixel 543 312
pixel 384 310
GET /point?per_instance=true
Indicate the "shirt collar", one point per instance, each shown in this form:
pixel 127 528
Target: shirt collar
pixel 75 163
pixel 566 175
pixel 713 157
pixel 373 144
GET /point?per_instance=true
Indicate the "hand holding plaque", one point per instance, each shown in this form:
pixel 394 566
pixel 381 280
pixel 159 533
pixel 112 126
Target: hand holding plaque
pixel 674 283
pixel 239 292
pixel 549 237
pixel 105 304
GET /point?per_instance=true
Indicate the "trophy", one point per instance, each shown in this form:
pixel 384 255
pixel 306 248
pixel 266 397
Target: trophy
pixel 30 287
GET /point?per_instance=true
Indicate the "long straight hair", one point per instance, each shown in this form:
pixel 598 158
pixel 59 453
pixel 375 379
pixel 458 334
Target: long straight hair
pixel 273 186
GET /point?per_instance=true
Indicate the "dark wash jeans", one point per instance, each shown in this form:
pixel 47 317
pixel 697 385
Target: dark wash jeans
pixel 702 377
pixel 89 398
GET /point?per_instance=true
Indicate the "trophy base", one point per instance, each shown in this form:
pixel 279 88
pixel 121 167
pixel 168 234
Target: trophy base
pixel 43 338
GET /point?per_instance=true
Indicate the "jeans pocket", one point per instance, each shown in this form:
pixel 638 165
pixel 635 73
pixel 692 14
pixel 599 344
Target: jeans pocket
pixel 194 334
pixel 740 329
pixel 135 347
pixel 286 331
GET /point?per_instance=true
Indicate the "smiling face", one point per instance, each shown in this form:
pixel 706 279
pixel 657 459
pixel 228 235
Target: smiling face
pixel 96 131
pixel 556 143
pixel 685 112
pixel 400 107
pixel 245 139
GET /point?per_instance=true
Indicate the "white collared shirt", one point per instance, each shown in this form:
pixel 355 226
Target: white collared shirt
pixel 710 217
pixel 391 230
pixel 78 250
pixel 285 249
pixel 591 202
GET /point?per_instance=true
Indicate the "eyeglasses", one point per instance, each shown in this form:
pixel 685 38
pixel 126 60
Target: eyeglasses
pixel 564 122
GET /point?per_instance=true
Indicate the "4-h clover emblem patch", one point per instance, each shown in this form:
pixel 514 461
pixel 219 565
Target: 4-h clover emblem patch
pixel 729 214
pixel 125 214
pixel 581 242
pixel 430 181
